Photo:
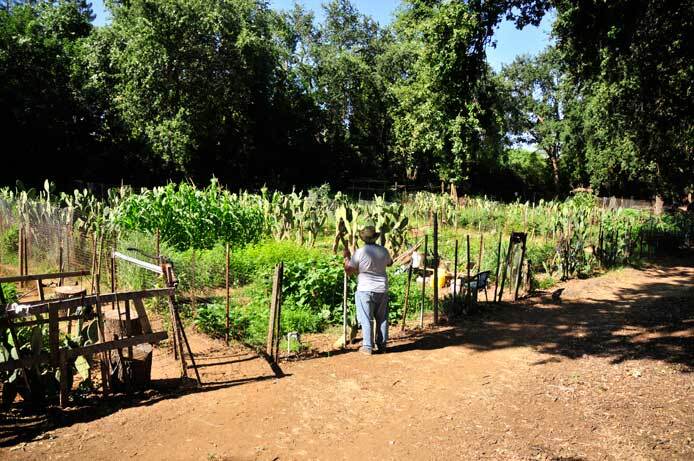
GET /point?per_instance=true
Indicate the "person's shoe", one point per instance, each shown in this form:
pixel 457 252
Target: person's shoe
pixel 380 349
pixel 365 350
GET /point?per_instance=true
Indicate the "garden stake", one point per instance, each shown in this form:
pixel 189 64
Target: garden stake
pixel 498 266
pixel 455 273
pixel 436 269
pixel 26 251
pixel 424 285
pixel 468 295
pixel 94 258
pixel 479 259
pixel 20 253
pixel 60 263
pixel 192 282
pixel 407 296
pixel 226 334
pixel 157 243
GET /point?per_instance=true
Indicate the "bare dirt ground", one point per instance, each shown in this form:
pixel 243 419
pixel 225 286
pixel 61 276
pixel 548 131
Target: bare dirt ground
pixel 608 374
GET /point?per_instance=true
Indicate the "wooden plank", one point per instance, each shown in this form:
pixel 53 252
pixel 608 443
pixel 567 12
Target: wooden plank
pixel 273 315
pixel 278 312
pixel 128 328
pixel 145 265
pixel 142 315
pixel 54 275
pixel 117 344
pixel 43 321
pixel 69 303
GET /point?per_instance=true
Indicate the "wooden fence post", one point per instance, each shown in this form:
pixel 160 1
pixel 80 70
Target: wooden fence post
pixel 275 314
pixel 498 266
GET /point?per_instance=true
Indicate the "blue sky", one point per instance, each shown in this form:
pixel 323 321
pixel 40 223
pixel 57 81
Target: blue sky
pixel 510 41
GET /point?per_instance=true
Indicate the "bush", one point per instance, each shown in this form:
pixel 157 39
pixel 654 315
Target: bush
pixel 10 240
pixel 301 320
pixel 246 322
pixel 10 292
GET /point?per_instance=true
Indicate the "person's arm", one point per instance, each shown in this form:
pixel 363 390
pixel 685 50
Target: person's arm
pixel 349 268
pixel 389 261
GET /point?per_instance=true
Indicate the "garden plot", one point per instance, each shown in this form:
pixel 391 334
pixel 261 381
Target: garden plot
pixel 606 374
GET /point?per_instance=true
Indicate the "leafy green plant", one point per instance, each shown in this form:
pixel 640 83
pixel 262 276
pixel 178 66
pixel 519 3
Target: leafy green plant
pixel 10 240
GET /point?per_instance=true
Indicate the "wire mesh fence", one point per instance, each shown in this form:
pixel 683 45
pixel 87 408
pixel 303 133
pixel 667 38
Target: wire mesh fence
pixel 42 241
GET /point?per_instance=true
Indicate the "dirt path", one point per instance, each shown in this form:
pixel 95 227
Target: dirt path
pixel 605 375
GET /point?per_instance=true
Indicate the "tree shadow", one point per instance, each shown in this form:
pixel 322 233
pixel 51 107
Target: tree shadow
pixel 654 321
pixel 23 423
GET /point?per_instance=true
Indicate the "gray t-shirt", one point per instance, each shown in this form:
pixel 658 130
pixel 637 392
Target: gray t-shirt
pixel 371 260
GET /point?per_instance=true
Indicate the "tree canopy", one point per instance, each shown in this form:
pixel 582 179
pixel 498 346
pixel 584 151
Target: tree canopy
pixel 173 89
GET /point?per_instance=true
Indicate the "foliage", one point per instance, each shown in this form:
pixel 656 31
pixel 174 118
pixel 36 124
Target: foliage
pixel 41 382
pixel 9 290
pixel 633 69
pixel 538 109
pixel 187 217
pixel 10 240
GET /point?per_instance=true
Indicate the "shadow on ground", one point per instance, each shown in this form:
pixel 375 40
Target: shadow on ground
pixel 655 321
pixel 24 424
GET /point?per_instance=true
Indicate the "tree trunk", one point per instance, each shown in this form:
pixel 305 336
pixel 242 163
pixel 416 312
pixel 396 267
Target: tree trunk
pixel 554 163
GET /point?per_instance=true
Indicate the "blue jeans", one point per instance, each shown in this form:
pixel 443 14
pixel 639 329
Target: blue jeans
pixel 372 305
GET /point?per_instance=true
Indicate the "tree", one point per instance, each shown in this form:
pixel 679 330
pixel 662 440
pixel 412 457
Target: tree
pixel 45 126
pixel 187 74
pixel 447 120
pixel 537 105
pixel 340 66
pixel 632 62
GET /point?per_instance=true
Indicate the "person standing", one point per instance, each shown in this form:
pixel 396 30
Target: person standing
pixel 371 298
